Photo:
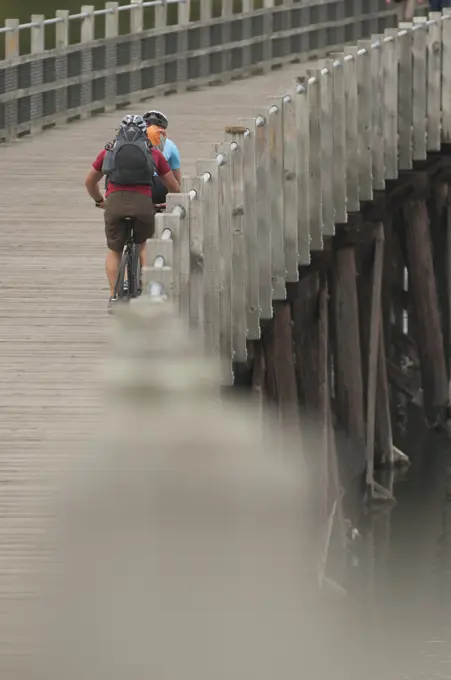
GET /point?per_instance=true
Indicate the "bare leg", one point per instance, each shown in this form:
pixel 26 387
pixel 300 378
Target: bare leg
pixel 142 255
pixel 112 263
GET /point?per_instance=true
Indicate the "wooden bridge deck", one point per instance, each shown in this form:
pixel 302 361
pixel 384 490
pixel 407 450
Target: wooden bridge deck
pixel 53 320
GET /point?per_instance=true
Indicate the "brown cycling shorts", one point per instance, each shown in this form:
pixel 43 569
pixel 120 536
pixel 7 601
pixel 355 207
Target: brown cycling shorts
pixel 122 204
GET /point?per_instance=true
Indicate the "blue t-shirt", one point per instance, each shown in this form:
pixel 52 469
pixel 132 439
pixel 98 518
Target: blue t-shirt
pixel 172 154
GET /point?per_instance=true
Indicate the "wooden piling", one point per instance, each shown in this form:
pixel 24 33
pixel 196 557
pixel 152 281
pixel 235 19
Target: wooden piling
pixel 277 342
pixel 423 291
pixel 349 399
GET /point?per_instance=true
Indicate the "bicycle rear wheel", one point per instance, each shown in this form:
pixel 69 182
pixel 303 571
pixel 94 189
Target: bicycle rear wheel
pixel 135 271
pixel 119 291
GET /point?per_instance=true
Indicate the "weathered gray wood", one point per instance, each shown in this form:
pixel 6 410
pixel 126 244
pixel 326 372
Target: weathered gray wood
pixel 208 171
pixel 276 182
pixel 196 290
pixel 137 16
pixel 390 127
pixel 327 146
pixel 352 151
pixel 419 102
pixel 290 194
pixel 239 256
pixel 37 47
pixel 263 215
pixel 446 76
pixel 86 36
pixel 364 122
pixel 163 261
pixel 315 189
pixel 434 95
pixel 375 331
pixel 377 84
pixel 161 15
pixel 339 141
pixel 158 274
pixel 206 10
pixel 303 170
pixel 111 32
pixel 224 272
pixel 180 205
pixel 250 228
pixel 405 111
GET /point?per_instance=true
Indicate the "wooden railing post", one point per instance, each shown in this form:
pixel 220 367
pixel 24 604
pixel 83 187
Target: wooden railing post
pixel 446 76
pixel 263 214
pixel 276 182
pixel 339 142
pixel 290 189
pixel 434 98
pixel 250 227
pixel 390 99
pixel 87 36
pixel 419 88
pixel 364 120
pixel 405 110
pixel 352 166
pixel 208 171
pixel 327 146
pixel 303 170
pixel 224 271
pixel 111 32
pixel 196 282
pixel 239 256
pixel 315 175
pixel 12 51
pixel 37 47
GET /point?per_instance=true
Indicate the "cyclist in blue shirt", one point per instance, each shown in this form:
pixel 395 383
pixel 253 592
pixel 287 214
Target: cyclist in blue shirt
pixel 157 124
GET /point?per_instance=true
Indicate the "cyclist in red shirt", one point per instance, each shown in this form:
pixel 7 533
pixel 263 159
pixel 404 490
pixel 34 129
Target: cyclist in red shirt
pixel 132 198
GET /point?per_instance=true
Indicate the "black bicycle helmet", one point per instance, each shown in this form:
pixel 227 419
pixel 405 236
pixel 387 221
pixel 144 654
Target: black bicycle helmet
pixel 156 118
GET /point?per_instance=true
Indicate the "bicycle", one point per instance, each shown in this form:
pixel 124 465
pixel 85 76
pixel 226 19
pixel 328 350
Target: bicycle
pixel 128 282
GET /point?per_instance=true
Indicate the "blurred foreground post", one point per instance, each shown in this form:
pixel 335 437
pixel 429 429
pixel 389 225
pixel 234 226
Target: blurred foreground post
pixel 182 546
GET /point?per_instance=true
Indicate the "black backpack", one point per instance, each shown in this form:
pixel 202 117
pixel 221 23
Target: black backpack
pixel 129 161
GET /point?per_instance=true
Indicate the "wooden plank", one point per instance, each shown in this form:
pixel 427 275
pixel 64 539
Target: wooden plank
pixel 434 95
pixel 327 146
pixel 239 258
pixel 290 194
pixel 419 88
pixel 315 187
pixel 405 106
pixel 250 227
pixel 339 141
pixel 364 120
pixel 263 215
pixel 303 170
pixel 276 172
pixel 352 151
pixel 390 127
pixel 209 172
pixel 446 76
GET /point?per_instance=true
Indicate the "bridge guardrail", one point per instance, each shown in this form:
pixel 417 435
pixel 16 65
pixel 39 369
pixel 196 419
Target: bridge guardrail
pixel 51 86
